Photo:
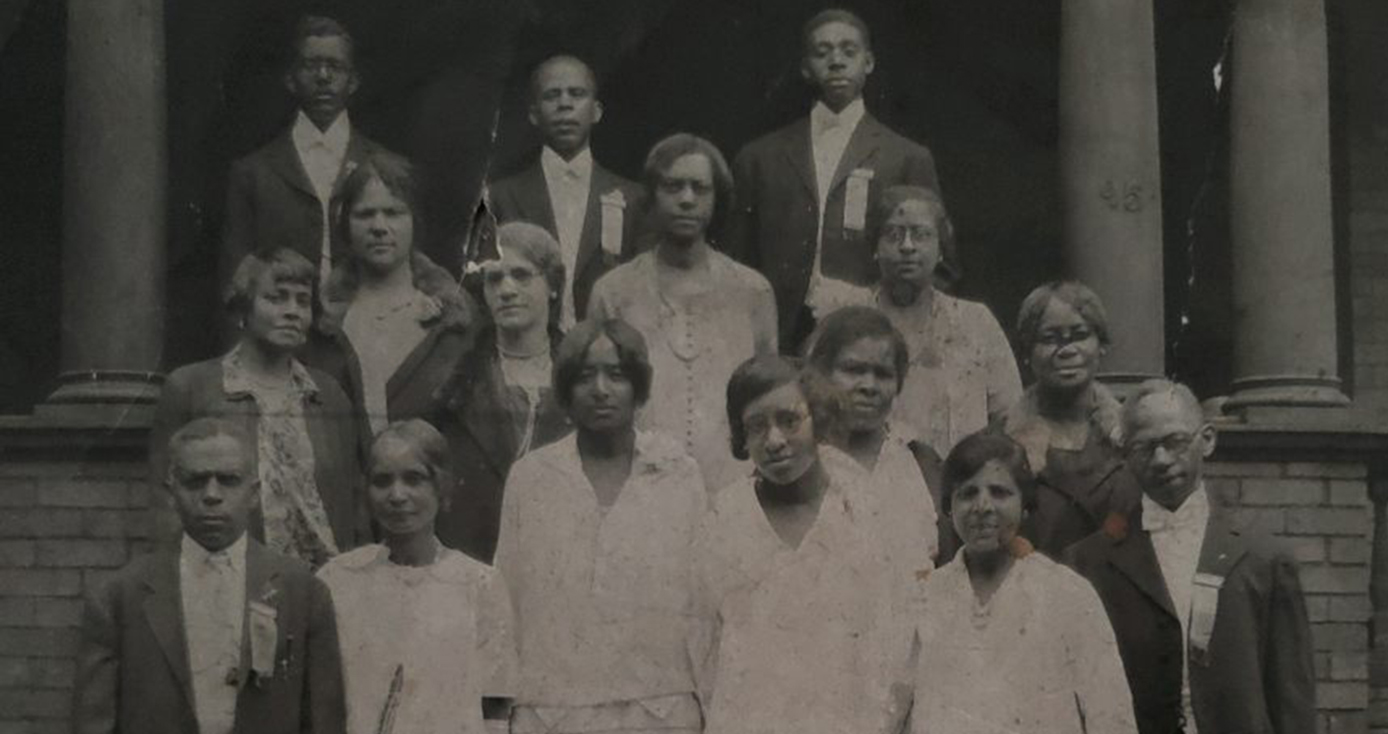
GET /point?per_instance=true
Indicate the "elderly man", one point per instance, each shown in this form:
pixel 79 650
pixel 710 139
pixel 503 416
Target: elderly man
pixel 1210 620
pixel 806 189
pixel 286 193
pixel 589 209
pixel 217 634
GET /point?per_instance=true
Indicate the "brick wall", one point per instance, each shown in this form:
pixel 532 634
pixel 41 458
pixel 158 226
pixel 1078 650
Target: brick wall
pixel 1322 510
pixel 62 526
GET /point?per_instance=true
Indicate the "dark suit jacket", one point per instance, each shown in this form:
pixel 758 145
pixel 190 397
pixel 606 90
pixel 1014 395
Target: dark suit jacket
pixel 195 391
pixel 773 228
pixel 525 197
pixel 474 416
pixel 271 202
pixel 1257 675
pixel 132 667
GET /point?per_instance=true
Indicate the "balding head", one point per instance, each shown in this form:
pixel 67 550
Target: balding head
pixel 1167 440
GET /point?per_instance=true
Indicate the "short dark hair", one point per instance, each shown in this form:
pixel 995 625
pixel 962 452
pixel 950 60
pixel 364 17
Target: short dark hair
pixel 396 174
pixel 847 326
pixel 209 427
pixel 971 454
pixel 762 374
pixel 311 26
pixel 433 452
pixel 835 15
pixel 573 350
pixel 540 67
pixel 948 268
pixel 283 265
pixel 1074 294
pixel 674 147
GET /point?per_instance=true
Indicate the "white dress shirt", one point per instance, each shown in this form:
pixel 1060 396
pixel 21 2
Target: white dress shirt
pixel 213 587
pixel 322 152
pixel 1177 538
pixel 829 136
pixel 568 183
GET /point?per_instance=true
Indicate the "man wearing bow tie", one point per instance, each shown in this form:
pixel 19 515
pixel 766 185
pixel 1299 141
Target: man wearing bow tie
pixel 804 191
pixel 286 193
pixel 216 635
pixel 1210 620
pixel 592 212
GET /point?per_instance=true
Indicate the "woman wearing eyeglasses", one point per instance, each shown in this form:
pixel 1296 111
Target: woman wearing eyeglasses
pixel 1067 421
pixel 962 372
pixel 498 404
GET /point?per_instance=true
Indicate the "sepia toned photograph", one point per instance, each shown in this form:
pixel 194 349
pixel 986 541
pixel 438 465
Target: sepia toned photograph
pixel 740 367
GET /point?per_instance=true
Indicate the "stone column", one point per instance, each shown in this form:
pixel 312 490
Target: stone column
pixel 1284 279
pixel 1110 172
pixel 114 173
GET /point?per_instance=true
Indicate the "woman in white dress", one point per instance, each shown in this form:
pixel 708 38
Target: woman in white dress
pixel 1009 641
pixel 802 632
pixel 597 535
pixel 425 631
pixel 865 357
pixel 963 374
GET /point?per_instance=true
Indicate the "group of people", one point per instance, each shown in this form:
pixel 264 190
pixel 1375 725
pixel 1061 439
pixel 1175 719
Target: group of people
pixel 670 459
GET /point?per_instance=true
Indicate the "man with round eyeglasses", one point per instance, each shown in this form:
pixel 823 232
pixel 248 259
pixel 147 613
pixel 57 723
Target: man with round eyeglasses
pixel 1209 618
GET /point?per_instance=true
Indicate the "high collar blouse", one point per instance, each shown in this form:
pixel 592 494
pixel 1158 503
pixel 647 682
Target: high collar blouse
pixel 602 593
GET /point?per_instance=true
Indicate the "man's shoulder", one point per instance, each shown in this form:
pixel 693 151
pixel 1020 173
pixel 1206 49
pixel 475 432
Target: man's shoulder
pixel 516 177
pixel 768 142
pixel 608 179
pixel 262 154
pixel 904 145
pixel 290 571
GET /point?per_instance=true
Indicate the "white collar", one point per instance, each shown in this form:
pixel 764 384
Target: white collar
pixel 822 118
pixel 335 138
pixel 194 553
pixel 1195 509
pixel 554 165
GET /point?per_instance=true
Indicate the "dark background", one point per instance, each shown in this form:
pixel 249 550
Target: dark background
pixel 975 81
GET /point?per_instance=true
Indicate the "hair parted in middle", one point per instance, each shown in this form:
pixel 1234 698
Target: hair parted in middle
pixel 1072 293
pixel 432 449
pixel 674 147
pixel 977 449
pixel 573 351
pixel 847 326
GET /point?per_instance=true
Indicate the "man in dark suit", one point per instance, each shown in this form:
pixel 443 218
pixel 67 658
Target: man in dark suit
pixel 1210 620
pixel 592 212
pixel 286 193
pixel 805 190
pixel 218 634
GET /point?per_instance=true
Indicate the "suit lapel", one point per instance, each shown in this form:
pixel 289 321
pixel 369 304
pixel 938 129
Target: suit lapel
pixel 284 159
pixel 534 198
pixel 1135 558
pixel 861 146
pixel 357 151
pixel 800 154
pixel 163 608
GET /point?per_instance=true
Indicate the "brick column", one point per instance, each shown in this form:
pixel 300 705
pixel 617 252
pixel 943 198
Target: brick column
pixel 1284 280
pixel 1110 172
pixel 114 179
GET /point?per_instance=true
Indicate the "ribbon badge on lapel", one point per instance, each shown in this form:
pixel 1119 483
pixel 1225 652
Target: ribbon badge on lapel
pixel 264 634
pixel 614 206
pixel 855 199
pixel 1204 606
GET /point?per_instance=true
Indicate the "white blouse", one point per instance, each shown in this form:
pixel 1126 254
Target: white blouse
pixel 602 594
pixel 448 625
pixel 799 639
pixel 1040 657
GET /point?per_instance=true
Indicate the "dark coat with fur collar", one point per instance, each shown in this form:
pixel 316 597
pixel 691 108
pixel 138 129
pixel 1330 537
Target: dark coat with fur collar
pixel 410 391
